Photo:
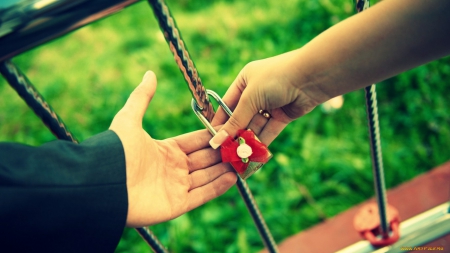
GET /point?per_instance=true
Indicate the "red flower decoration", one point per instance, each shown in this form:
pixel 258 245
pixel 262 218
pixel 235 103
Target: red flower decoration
pixel 229 150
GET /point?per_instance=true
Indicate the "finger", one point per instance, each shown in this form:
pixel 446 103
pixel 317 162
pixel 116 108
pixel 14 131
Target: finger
pixel 194 141
pixel 231 99
pixel 202 177
pixel 257 124
pixel 139 99
pixel 220 117
pixel 203 158
pixel 203 194
pixel 244 112
pixel 241 116
pixel 271 130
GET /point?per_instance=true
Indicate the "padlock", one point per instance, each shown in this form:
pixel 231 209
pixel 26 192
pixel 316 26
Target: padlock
pixel 248 160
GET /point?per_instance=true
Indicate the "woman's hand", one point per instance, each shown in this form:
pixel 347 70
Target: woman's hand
pixel 166 178
pixel 353 54
pixel 270 85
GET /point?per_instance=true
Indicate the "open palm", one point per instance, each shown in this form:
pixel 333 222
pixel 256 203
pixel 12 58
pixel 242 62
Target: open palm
pixel 170 177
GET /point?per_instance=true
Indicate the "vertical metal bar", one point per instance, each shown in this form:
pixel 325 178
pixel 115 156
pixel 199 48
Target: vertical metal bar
pixel 377 160
pixel 375 144
pixel 36 101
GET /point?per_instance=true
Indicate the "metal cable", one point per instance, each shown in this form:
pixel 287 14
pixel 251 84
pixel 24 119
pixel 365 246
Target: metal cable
pixel 377 159
pixel 151 239
pixel 260 224
pixel 375 144
pixel 187 67
pixel 182 58
pixel 20 83
pixel 35 101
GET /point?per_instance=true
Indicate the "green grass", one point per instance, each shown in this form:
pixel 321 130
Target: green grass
pixel 87 76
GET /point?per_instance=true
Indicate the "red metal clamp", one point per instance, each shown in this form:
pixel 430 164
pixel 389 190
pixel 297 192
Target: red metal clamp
pixel 367 223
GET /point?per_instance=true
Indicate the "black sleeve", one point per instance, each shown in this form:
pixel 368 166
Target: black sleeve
pixel 63 197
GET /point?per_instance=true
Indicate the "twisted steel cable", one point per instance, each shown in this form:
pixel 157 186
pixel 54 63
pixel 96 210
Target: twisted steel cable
pixel 151 239
pixel 182 58
pixel 35 101
pixel 377 159
pixel 375 144
pixel 257 217
pixel 187 67
pixel 43 110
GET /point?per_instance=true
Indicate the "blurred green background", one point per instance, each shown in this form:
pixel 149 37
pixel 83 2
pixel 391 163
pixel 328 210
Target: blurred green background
pixel 321 163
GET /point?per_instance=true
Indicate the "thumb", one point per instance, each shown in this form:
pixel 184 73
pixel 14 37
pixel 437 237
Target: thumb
pixel 240 119
pixel 140 98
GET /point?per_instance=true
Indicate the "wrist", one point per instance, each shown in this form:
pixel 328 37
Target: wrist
pixel 308 79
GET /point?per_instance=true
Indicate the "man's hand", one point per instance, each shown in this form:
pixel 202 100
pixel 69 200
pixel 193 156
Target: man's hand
pixel 166 178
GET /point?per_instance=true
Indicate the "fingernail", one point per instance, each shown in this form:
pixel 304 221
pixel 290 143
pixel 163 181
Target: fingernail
pixel 218 139
pixel 146 76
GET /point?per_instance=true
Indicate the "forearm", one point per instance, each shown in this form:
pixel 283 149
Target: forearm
pixel 388 38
